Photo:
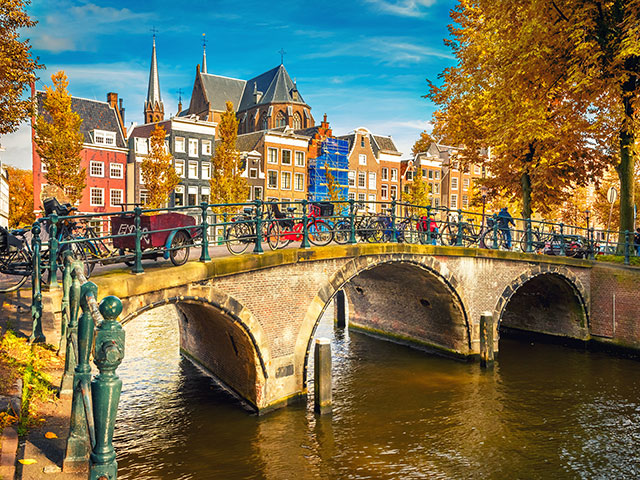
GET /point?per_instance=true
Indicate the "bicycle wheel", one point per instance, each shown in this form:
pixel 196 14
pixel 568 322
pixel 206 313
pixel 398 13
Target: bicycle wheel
pixel 449 235
pixel 408 232
pixel 342 232
pixel 320 233
pixel 273 235
pixel 17 262
pixel 535 240
pixel 376 230
pixel 469 239
pixel 238 237
pixel 180 246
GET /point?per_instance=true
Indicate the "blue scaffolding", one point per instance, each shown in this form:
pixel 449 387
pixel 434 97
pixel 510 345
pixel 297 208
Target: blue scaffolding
pixel 334 159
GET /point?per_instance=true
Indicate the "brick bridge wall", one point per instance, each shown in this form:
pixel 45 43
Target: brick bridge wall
pixel 250 320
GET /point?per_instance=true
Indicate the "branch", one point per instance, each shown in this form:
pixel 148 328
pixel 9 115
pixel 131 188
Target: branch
pixel 562 15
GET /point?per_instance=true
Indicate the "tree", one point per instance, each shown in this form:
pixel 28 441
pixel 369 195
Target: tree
pixel 20 197
pixel 335 191
pixel 17 68
pixel 227 186
pixel 422 144
pixel 158 174
pixel 418 193
pixel 509 96
pixel 59 141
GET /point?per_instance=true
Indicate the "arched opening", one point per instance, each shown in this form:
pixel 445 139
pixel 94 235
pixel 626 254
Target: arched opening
pixel 297 121
pixel 264 122
pixel 548 304
pixel 280 120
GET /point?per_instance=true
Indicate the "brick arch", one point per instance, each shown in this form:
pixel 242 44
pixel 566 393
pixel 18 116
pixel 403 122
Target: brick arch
pixel 357 266
pixel 557 272
pixel 241 318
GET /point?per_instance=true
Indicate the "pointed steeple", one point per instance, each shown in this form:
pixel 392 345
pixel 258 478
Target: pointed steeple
pixel 204 53
pixel 153 107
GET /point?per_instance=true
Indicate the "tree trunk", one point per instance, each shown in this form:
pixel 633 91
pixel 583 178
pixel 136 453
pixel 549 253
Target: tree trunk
pixel 525 181
pixel 627 159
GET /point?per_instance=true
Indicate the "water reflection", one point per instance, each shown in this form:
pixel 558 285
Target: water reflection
pixel 545 412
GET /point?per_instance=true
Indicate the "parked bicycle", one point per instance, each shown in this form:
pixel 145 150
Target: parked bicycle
pixel 365 225
pixel 285 228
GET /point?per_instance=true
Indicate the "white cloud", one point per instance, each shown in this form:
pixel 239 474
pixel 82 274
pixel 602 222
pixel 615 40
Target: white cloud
pixel 17 147
pixel 403 8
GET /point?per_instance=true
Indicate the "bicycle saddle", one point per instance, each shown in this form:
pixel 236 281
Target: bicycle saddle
pixel 291 209
pixel 19 231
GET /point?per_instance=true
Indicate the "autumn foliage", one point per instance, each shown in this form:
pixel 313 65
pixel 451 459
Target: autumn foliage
pixel 20 197
pixel 158 175
pixel 422 144
pixel 59 141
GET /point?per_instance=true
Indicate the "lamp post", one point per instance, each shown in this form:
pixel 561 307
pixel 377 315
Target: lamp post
pixel 483 192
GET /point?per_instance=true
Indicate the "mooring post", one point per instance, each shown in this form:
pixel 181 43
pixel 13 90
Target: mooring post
pixel 71 342
pixel 339 309
pixel 486 340
pixel 322 376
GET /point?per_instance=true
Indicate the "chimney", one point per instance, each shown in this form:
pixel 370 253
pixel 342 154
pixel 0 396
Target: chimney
pixel 112 99
pixel 122 115
pixel 256 94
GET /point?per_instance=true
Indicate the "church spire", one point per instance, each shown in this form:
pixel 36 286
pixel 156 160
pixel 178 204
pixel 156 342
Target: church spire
pixel 204 53
pixel 153 107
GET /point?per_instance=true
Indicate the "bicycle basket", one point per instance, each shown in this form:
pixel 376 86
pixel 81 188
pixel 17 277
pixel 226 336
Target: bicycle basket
pixel 9 243
pixel 325 209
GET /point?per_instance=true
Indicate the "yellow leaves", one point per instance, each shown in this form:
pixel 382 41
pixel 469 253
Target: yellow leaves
pixel 158 174
pixel 27 461
pixel 50 435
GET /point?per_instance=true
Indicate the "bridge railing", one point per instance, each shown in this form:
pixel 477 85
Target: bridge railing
pixel 91 328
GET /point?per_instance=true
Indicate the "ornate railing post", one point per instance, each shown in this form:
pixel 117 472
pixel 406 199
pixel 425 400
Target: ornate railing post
pixel 79 441
pixel 70 359
pixel 528 233
pixel 258 244
pixel 459 235
pixel 428 224
pixel 53 252
pixel 352 221
pixel 105 388
pixel 36 282
pixel 66 286
pixel 305 227
pixel 204 254
pixel 562 243
pixel 592 244
pixel 137 266
pixel 626 247
pixel 495 232
pixel 394 233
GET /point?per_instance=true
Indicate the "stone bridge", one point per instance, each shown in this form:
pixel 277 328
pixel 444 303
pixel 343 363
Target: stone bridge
pixel 250 320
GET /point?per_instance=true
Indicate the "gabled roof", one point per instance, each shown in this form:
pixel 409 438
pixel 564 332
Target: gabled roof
pixel 220 89
pixel 383 144
pixel 248 141
pixel 95 115
pixel 276 87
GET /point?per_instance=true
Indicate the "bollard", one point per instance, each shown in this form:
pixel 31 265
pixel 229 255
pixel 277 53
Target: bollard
pixel 339 306
pixel 305 227
pixel 322 376
pixel 352 221
pixel 36 291
pixel 106 388
pixel 258 245
pixel 486 340
pixel 204 254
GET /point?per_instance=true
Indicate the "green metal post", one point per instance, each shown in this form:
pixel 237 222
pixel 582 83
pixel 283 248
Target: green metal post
pixel 626 247
pixel 204 255
pixel 305 230
pixel 592 244
pixel 459 236
pixel 394 236
pixel 428 223
pixel 53 252
pixel 562 246
pixel 106 388
pixel 36 290
pixel 495 232
pixel 71 355
pixel 352 221
pixel 137 267
pixel 528 233
pixel 79 443
pixel 258 245
pixel 66 285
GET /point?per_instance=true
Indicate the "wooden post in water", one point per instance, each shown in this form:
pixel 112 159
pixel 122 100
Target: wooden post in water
pixel 339 309
pixel 322 376
pixel 486 340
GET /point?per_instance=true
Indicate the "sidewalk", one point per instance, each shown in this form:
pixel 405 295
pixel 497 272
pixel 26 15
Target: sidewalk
pixel 47 453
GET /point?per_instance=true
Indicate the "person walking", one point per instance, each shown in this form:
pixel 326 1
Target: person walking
pixel 504 220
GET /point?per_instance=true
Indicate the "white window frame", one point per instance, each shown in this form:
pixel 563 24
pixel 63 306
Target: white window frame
pixel 142 145
pixel 193 147
pixel 144 193
pixel 453 203
pixel 477 170
pixel 116 168
pixel 283 176
pixel 362 180
pixel 465 201
pixel 256 189
pixel 192 190
pixel 191 164
pixel 205 169
pixel 394 174
pixel 93 190
pixel 99 166
pixel 272 157
pixel 352 178
pixel 111 192
pixel 299 155
pixel 465 183
pixel 454 183
pixel 273 186
pixel 384 175
pixel 362 159
pixel 179 144
pixel 282 155
pixel 297 176
pixel 372 185
pixel 393 191
pixel 206 147
pixel 179 191
pixel 179 166
pixel 104 137
pixel 384 192
pixel 253 173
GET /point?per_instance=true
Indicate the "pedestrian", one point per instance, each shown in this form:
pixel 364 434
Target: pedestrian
pixel 504 220
pixel 636 241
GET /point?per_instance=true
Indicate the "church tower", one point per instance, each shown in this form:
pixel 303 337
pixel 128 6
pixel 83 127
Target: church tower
pixel 153 106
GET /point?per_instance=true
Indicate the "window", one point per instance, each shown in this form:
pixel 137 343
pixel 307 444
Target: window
pixel 44 167
pixel 179 144
pixel 437 174
pixel 424 172
pixel 384 192
pixel 257 193
pixel 394 192
pixel 285 180
pixel 272 155
pixel 253 173
pixel 193 169
pixel 115 197
pixel 297 121
pixel 430 174
pixel 465 184
pixel 286 157
pixel 352 196
pixel 116 170
pixel 299 159
pixel 454 183
pixel 97 197
pixel 206 147
pixel 272 179
pixel 96 169
pixel 362 179
pixel 454 201
pixel 436 188
pixel 476 169
pixel 465 201
pixel 192 196
pixel 385 174
pixel 394 174
pixel 352 178
pixel 265 122
pixel 436 202
pixel 204 194
pixel 298 182
pixel 193 147
pixel 456 165
pixel 144 196
pixel 104 138
pixel 206 170
pixel 362 159
pixel 280 120
pixel 180 168
pixel 362 142
pixel 372 181
pixel 362 197
pixel 409 175
pixel 179 196
pixel 142 146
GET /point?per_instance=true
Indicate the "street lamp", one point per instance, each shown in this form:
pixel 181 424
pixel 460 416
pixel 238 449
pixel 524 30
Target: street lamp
pixel 483 192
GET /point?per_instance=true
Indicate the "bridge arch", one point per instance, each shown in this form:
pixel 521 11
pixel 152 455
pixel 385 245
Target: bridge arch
pixel 547 300
pixel 426 271
pixel 219 334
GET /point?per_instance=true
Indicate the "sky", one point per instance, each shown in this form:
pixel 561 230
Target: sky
pixel 362 62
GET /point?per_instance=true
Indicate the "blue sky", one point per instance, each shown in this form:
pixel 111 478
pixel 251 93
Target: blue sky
pixel 363 62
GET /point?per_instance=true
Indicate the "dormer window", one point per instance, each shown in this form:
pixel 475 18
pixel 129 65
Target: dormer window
pixel 103 137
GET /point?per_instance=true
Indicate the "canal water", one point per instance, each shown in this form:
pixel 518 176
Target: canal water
pixel 545 412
